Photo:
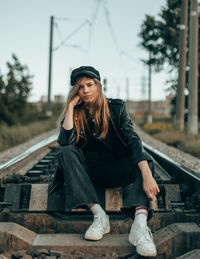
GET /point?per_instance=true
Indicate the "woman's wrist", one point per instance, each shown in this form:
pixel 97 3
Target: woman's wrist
pixel 70 107
pixel 144 168
pixel 68 121
pixel 146 173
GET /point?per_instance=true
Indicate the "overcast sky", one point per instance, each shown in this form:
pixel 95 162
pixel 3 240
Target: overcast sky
pixel 109 43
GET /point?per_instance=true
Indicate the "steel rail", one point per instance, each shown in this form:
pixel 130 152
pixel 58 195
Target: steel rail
pixel 154 152
pixel 29 151
pixel 181 168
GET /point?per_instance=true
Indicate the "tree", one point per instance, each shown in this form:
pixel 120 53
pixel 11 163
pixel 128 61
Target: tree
pixel 163 34
pixel 14 92
pixel 161 37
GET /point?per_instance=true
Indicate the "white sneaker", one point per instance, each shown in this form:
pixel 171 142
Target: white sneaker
pixel 141 237
pixel 99 227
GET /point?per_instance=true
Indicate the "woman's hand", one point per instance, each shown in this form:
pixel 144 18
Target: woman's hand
pixel 75 101
pixel 68 120
pixel 150 187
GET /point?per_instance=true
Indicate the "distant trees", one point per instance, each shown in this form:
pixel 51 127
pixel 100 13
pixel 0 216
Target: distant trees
pixel 161 37
pixel 15 88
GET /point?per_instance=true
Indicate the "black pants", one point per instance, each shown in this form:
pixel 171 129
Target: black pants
pixel 84 172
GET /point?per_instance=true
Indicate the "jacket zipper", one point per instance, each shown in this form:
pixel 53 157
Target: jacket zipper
pixel 118 133
pixel 85 141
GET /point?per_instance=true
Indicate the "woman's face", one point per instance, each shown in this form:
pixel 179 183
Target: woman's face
pixel 87 90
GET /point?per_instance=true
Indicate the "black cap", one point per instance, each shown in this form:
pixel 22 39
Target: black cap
pixel 85 71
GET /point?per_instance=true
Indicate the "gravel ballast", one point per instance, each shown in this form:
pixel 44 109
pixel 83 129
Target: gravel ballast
pixel 177 155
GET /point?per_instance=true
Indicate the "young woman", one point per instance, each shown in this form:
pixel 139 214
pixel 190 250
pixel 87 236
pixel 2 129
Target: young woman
pixel 101 148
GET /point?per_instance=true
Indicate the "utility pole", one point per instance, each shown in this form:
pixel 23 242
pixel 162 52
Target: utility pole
pixel 193 72
pixel 105 85
pixel 180 100
pixel 143 87
pixel 143 92
pixel 69 85
pixel 149 116
pixel 127 94
pixel 49 112
pixel 118 91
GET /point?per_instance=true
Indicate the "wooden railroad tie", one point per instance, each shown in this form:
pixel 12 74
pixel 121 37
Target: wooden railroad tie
pixel 35 197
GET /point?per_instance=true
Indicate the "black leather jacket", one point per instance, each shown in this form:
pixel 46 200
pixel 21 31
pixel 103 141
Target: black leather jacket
pixel 121 136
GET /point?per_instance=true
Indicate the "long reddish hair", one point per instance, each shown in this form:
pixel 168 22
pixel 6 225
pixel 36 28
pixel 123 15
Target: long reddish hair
pixel 99 110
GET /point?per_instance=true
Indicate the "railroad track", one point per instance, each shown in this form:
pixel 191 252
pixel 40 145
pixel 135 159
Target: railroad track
pixel 33 224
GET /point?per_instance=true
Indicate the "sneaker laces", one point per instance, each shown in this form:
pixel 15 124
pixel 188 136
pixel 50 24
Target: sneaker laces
pixel 145 235
pixel 98 222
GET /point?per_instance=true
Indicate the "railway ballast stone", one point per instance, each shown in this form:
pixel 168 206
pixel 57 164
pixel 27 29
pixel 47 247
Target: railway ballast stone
pixel 19 253
pixel 177 155
pixel 62 255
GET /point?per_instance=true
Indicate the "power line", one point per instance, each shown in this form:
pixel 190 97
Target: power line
pixel 113 36
pixel 68 45
pixel 66 18
pixel 107 13
pixel 93 21
pixel 126 54
pixel 58 31
pixel 72 34
pixel 76 47
pixel 91 24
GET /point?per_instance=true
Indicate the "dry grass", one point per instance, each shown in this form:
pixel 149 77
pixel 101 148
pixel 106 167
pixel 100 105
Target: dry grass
pixel 162 128
pixel 11 136
pixel 191 144
pixel 156 127
pixel 171 136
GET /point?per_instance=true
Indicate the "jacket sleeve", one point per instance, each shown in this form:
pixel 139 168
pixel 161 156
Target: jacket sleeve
pixel 67 137
pixel 131 138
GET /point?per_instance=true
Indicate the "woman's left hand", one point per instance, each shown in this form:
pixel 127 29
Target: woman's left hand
pixel 150 187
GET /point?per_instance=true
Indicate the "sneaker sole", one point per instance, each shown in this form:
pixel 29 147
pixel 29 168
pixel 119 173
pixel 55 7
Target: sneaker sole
pixel 106 231
pixel 140 253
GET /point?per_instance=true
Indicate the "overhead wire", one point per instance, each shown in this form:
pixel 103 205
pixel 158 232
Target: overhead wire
pixel 113 35
pixel 66 18
pixel 93 21
pixel 58 31
pixel 76 46
pixel 72 34
pixel 107 15
pixel 91 24
pixel 126 54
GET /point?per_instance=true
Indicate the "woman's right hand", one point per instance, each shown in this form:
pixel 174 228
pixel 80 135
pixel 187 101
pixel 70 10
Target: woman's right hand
pixel 68 120
pixel 75 101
